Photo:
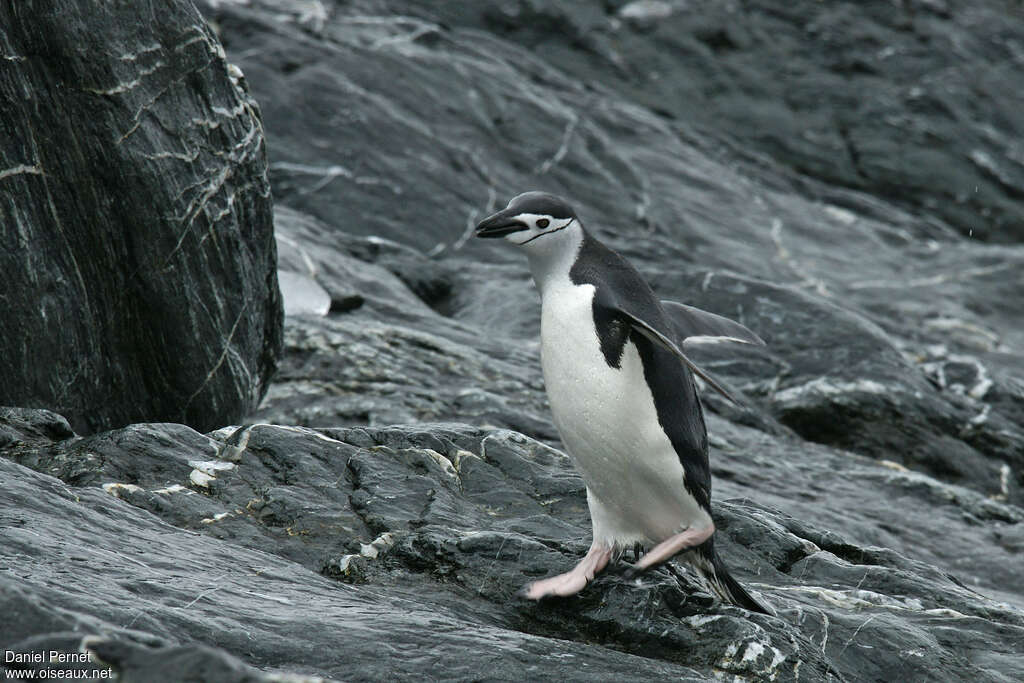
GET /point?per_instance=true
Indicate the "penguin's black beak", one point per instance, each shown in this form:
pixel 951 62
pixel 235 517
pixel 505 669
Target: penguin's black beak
pixel 499 225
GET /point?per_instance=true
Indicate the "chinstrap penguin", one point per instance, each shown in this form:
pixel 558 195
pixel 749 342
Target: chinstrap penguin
pixel 623 397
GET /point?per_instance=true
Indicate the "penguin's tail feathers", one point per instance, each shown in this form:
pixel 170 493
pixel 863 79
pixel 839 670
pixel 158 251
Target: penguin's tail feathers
pixel 709 566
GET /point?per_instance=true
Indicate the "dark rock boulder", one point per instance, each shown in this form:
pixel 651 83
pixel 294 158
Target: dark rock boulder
pixel 21 426
pixel 138 265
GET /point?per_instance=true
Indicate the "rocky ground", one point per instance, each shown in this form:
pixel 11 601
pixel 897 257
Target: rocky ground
pixel 842 178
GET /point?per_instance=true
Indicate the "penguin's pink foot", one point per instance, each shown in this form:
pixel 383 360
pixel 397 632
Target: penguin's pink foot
pixel 667 549
pixel 573 581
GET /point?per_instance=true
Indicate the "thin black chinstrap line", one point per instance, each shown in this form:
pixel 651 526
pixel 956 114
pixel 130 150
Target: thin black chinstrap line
pixel 552 232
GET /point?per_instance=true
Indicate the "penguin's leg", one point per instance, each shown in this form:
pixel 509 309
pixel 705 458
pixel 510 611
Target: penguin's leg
pixel 689 538
pixel 573 581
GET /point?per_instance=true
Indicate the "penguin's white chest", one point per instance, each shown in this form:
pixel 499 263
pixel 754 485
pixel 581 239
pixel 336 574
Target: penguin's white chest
pixel 608 422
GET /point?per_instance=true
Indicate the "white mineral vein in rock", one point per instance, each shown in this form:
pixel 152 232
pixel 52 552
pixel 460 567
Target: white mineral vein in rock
pixel 205 471
pixel 646 9
pixel 115 489
pixel 20 170
pixel 175 488
pixel 842 215
pixel 216 518
pixel 306 431
pixel 825 387
pixel 211 466
pixel 200 478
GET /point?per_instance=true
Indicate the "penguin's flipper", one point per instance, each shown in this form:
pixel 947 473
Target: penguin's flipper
pixel 692 323
pixel 662 339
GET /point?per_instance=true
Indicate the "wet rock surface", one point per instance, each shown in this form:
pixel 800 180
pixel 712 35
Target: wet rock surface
pixel 369 552
pixel 138 261
pixel 869 489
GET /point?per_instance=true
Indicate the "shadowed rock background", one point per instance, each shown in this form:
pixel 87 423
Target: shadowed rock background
pixel 843 178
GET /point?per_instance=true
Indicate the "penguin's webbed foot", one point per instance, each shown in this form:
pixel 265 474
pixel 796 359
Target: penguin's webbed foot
pixel 571 582
pixel 561 586
pixel 672 546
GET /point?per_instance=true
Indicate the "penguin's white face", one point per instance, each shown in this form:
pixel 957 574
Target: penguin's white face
pixel 535 220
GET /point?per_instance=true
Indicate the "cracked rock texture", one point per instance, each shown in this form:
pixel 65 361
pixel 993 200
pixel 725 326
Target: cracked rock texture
pixel 395 552
pixel 840 177
pixel 137 274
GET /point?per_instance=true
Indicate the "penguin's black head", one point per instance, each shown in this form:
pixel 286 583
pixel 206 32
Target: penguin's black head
pixel 528 217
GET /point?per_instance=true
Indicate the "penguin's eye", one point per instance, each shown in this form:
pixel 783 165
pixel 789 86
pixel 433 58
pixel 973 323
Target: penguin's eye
pixel 542 222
